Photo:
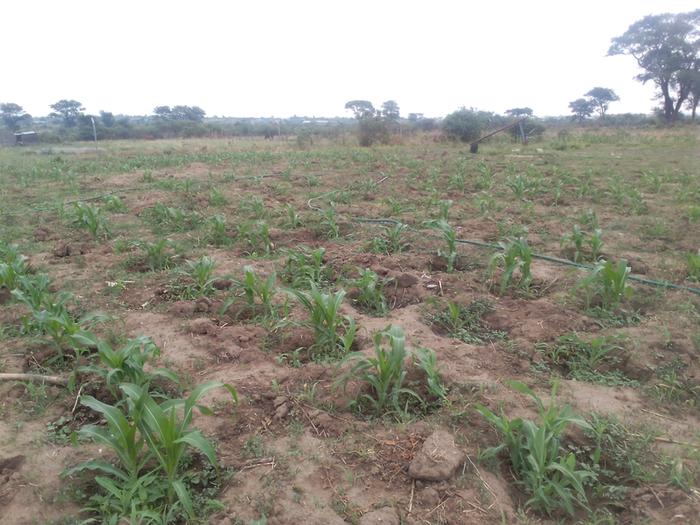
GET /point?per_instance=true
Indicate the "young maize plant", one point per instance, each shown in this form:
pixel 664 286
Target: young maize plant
pixel 515 256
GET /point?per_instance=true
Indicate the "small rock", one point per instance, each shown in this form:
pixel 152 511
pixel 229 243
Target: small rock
pixel 279 400
pixel 438 459
pixel 243 338
pixel 383 516
pixel 406 280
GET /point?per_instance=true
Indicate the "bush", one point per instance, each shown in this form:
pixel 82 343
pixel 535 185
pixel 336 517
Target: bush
pixel 371 130
pixel 464 125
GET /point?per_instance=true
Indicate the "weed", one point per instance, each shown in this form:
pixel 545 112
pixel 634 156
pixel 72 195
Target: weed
pixel 673 385
pixel 693 262
pixel 542 467
pixel 465 322
pixel 593 360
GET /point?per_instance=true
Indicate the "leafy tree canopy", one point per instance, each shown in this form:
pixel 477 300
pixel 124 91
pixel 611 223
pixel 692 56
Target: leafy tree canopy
pixel 602 97
pixel 581 108
pixel 665 47
pixel 13 116
pixel 361 108
pixel 519 112
pixel 68 111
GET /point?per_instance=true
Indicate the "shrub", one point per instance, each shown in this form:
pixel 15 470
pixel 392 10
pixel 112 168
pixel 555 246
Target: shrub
pixel 371 130
pixel 464 125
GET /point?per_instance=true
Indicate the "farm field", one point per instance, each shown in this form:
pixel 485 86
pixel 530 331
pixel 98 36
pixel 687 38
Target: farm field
pixel 376 358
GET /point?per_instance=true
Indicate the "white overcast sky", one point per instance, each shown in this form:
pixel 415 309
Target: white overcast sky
pixel 280 58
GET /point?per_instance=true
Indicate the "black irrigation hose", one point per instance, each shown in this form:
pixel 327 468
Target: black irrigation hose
pixel 548 258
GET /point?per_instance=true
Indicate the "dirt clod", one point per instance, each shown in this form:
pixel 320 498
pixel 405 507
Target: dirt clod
pixel 383 516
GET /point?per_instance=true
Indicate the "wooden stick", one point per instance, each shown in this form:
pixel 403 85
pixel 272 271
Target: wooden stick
pixel 53 380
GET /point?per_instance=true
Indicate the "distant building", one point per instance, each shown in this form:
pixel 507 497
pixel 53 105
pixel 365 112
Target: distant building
pixel 26 137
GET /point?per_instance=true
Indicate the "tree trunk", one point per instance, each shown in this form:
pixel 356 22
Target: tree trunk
pixel 668 103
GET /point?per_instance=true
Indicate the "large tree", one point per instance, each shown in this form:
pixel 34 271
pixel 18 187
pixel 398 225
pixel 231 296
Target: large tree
pixel 13 115
pixel 68 111
pixel 666 47
pixel 581 108
pixel 390 110
pixel 192 113
pixel 519 112
pixel 602 97
pixel 361 108
pixel 693 92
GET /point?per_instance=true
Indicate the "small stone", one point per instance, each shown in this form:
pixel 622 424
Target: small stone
pixel 438 459
pixel 383 516
pixel 243 338
pixel 279 400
